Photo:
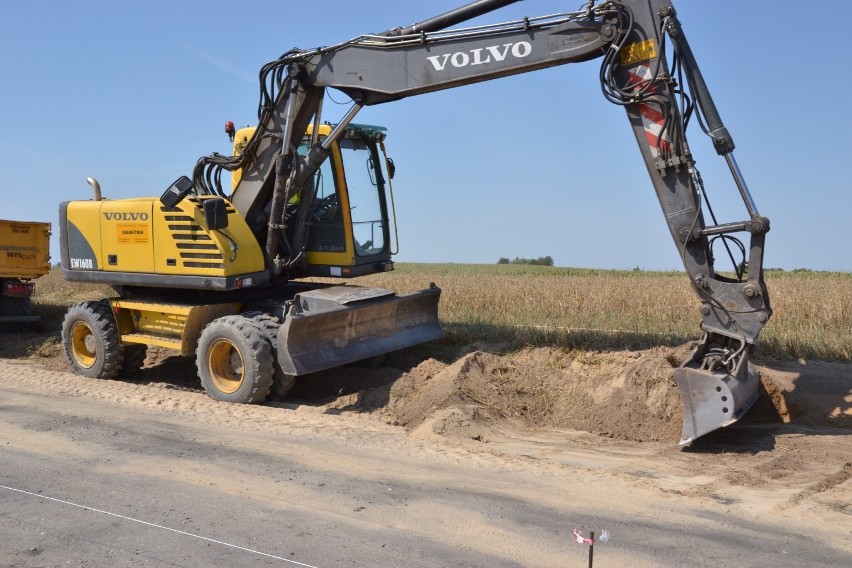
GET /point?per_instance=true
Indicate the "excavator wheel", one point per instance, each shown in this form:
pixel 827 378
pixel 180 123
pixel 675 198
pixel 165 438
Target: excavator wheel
pixel 134 358
pixel 235 361
pixel 91 340
pixel 269 324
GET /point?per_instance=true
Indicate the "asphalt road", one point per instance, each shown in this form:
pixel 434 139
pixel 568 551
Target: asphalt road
pixel 97 482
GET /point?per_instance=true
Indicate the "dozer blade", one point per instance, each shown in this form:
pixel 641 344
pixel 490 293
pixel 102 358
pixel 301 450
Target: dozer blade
pixel 713 400
pixel 329 327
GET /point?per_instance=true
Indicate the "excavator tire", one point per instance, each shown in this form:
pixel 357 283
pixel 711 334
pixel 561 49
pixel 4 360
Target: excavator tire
pixel 235 361
pixel 91 341
pixel 269 324
pixel 134 358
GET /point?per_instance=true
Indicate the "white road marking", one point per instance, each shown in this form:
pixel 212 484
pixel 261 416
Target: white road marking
pixel 85 507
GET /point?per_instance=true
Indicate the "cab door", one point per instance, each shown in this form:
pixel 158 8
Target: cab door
pixel 365 187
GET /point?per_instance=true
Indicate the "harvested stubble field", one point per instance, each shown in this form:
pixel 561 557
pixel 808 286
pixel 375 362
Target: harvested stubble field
pixel 516 306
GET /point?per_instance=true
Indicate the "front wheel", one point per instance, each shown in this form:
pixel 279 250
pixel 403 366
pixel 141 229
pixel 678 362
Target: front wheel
pixel 91 340
pixel 235 361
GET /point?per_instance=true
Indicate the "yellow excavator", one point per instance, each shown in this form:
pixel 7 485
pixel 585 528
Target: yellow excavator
pixel 219 272
pixel 191 275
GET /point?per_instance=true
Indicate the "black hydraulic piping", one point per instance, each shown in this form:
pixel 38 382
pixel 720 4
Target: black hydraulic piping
pixel 451 18
pixel 722 140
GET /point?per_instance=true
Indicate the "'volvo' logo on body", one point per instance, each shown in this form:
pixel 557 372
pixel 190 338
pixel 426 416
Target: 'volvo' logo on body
pixel 481 55
pixel 126 216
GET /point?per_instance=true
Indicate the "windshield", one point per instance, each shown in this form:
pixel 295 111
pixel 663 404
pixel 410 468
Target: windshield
pixel 365 181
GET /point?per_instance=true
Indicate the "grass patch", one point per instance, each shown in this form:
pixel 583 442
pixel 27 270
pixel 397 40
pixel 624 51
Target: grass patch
pixel 50 347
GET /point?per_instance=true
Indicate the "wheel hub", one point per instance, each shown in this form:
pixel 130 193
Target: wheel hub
pixel 84 345
pixel 227 368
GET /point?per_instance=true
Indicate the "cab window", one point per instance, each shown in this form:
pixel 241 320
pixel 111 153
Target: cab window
pixel 326 206
pixel 365 182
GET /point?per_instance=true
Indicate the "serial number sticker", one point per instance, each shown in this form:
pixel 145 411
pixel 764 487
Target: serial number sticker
pixel 131 233
pixel 641 51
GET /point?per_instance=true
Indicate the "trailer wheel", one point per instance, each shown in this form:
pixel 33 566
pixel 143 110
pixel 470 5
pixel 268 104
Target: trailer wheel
pixel 235 361
pixel 11 306
pixel 269 324
pixel 134 358
pixel 91 341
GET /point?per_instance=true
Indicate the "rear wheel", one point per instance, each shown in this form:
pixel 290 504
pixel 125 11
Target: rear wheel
pixel 269 324
pixel 91 341
pixel 235 361
pixel 134 358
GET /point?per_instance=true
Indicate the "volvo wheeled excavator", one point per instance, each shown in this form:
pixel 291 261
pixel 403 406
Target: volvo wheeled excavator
pixel 219 272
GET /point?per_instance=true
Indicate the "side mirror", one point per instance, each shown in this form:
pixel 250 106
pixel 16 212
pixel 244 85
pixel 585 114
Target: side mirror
pixel 215 213
pixel 391 168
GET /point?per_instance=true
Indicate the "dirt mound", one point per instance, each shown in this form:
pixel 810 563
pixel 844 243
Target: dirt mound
pixel 627 395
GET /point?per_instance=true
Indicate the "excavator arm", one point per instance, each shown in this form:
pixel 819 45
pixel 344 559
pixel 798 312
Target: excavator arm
pixel 647 67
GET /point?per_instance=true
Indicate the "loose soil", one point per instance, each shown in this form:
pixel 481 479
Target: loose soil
pixel 625 395
pixel 469 392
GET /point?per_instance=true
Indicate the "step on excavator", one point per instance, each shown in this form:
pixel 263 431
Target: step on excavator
pixel 220 272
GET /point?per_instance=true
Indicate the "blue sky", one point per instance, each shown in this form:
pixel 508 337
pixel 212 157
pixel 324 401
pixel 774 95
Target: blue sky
pixel 133 93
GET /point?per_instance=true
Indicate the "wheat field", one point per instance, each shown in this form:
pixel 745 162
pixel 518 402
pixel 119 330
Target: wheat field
pixel 581 308
pixel 514 306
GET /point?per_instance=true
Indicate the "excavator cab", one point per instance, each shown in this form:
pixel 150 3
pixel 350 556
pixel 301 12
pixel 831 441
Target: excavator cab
pixel 350 212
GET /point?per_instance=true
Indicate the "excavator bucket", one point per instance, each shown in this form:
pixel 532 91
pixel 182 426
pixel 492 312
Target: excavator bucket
pixel 329 327
pixel 712 400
